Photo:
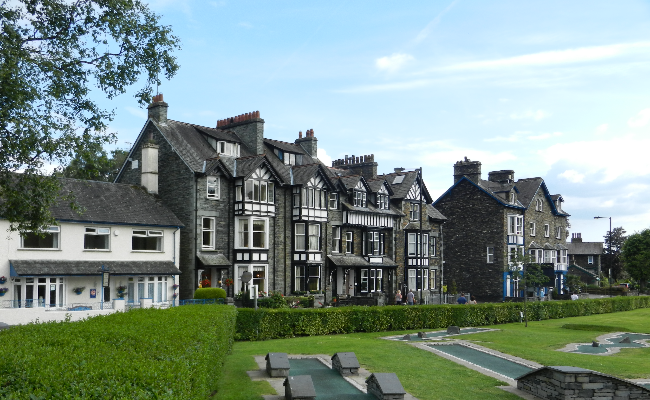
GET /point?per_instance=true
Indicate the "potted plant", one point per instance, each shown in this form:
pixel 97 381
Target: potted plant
pixel 229 282
pixel 175 286
pixel 78 290
pixel 3 280
pixel 121 291
pixel 3 291
pixel 205 283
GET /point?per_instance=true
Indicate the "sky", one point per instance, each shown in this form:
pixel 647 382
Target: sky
pixel 553 89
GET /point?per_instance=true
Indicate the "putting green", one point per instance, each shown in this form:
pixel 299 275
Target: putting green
pixel 328 383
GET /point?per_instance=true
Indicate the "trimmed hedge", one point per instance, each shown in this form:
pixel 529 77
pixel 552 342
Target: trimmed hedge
pixel 282 323
pixel 175 353
pixel 209 293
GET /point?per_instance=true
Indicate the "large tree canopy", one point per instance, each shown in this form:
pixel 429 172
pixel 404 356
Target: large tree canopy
pixel 95 165
pixel 636 256
pixel 613 259
pixel 54 55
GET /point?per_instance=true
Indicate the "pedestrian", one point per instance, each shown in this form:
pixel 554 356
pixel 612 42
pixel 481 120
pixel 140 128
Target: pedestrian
pixel 398 298
pixel 410 297
pixel 461 299
pixel 472 300
pixel 574 296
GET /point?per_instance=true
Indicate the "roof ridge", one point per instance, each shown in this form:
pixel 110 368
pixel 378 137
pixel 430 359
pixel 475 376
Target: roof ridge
pixel 281 141
pixel 196 125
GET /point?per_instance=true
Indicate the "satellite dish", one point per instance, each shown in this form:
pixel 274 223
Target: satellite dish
pixel 246 277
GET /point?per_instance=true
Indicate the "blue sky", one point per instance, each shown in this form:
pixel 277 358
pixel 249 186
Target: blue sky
pixel 546 88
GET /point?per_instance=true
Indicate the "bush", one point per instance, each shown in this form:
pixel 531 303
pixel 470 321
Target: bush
pixel 141 354
pixel 283 323
pixel 210 293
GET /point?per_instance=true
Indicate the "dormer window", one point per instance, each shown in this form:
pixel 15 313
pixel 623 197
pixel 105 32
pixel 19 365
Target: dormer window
pixel 257 191
pixel 224 148
pixel 288 158
pixel 314 198
pixel 512 198
pixel 359 198
pixel 382 201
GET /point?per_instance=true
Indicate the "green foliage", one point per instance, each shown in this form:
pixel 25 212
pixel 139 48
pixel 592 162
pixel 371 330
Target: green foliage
pixel 176 353
pixel 282 323
pixel 595 328
pixel 95 164
pixel 612 254
pixel 274 300
pixel 636 256
pixel 54 56
pixel 210 293
pixel 575 284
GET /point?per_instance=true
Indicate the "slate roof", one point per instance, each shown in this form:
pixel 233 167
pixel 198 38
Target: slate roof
pixel 211 258
pixel 527 189
pixel 91 267
pixel 433 213
pixel 401 190
pixel 376 184
pixel 303 173
pixel 371 209
pixel 104 202
pixel 585 248
pixel 351 260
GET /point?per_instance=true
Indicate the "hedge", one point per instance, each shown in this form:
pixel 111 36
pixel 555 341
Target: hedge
pixel 265 324
pixel 175 353
pixel 209 293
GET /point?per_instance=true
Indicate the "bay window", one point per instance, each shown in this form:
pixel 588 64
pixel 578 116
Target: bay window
pixel 374 243
pixel 252 233
pixel 414 245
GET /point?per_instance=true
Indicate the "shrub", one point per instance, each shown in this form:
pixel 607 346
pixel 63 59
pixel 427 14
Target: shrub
pixel 282 323
pixel 141 354
pixel 209 293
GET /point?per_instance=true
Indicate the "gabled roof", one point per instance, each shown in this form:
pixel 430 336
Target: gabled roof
pixel 372 209
pixel 350 182
pixel 434 214
pixel 114 203
pixel 585 248
pixel 290 147
pixel 376 184
pixel 527 189
pixel 245 166
pixel 483 189
pixel 402 186
pixel 303 173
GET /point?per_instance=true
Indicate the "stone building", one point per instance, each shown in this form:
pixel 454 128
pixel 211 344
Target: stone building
pixel 491 221
pixel 249 203
pixel 585 258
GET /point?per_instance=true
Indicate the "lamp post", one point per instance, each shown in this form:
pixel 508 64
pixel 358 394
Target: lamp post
pixel 609 250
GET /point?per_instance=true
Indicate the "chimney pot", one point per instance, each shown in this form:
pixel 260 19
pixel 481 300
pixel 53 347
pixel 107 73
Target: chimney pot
pixel 299 134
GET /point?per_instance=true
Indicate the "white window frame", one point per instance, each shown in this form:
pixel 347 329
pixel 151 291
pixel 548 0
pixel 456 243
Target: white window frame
pixel 227 148
pixel 157 233
pixel 94 231
pixel 336 239
pixel 54 230
pixel 434 246
pixel 533 228
pixel 490 254
pixel 558 233
pixel 414 212
pixel 213 187
pixel 412 281
pixel 382 201
pixel 210 230
pixel 252 268
pixel 334 201
pixel 512 198
pixel 539 205
pixel 349 242
pixel 314 237
pixel 590 260
pixel 251 233
pixel 547 230
pixel 360 198
pixel 300 237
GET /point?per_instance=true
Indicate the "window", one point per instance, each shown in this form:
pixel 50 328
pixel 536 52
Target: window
pixel 336 239
pixel 314 237
pixel 334 201
pixel 256 236
pixel 532 227
pixel 348 242
pixel 49 240
pixel 300 244
pixel 213 187
pixel 550 256
pixel 558 232
pixel 434 247
pixel 374 243
pixel 289 158
pixel 207 242
pixel 512 198
pixel 259 277
pixel 414 245
pixel 412 282
pixel 307 277
pixel 371 280
pixel 515 225
pixel 414 214
pixel 228 149
pixel 97 238
pixel 490 255
pixel 382 201
pixel 563 256
pixel 539 205
pixel 547 230
pixel 259 191
pixel 313 198
pixel 146 240
pixel 590 260
pixel 537 255
pixel 359 198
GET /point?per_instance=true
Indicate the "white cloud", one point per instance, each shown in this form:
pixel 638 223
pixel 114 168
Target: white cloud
pixel 531 114
pixel 640 120
pixel 324 157
pixel 602 128
pixel 556 57
pixel 572 176
pixel 545 136
pixel 137 112
pixel 393 62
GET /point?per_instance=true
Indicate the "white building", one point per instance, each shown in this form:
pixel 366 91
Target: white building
pixel 120 229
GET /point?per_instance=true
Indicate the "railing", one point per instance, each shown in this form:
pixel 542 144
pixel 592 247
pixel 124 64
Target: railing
pixel 55 307
pixel 202 301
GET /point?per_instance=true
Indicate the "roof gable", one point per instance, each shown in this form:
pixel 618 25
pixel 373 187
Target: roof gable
pixel 482 189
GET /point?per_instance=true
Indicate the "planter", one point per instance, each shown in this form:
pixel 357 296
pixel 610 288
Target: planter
pixel 2 294
pixel 3 280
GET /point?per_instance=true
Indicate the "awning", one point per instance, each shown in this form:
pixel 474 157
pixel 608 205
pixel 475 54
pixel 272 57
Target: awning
pixel 534 245
pixel 358 261
pixel 81 268
pixel 213 259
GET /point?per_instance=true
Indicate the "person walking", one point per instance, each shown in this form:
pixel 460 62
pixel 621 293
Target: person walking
pixel 461 299
pixel 410 297
pixel 472 300
pixel 398 298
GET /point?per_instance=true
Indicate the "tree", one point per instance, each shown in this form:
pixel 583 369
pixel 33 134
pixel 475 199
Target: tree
pixel 95 164
pixel 574 283
pixel 636 256
pixel 531 274
pixel 613 260
pixel 51 53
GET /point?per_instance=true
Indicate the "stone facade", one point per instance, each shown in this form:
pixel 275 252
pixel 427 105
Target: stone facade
pixel 568 383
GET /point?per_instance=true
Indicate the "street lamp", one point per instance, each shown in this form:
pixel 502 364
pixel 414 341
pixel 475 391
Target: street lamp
pixel 609 250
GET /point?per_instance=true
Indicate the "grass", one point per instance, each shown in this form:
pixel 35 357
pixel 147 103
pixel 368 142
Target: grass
pixel 427 376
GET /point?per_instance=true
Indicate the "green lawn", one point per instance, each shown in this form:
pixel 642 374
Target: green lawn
pixel 428 376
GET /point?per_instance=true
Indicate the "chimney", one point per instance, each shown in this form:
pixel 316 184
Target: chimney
pixel 470 169
pixel 157 110
pixel 149 177
pixel 576 238
pixel 249 128
pixel 503 176
pixel 399 169
pixel 309 142
pixel 361 165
